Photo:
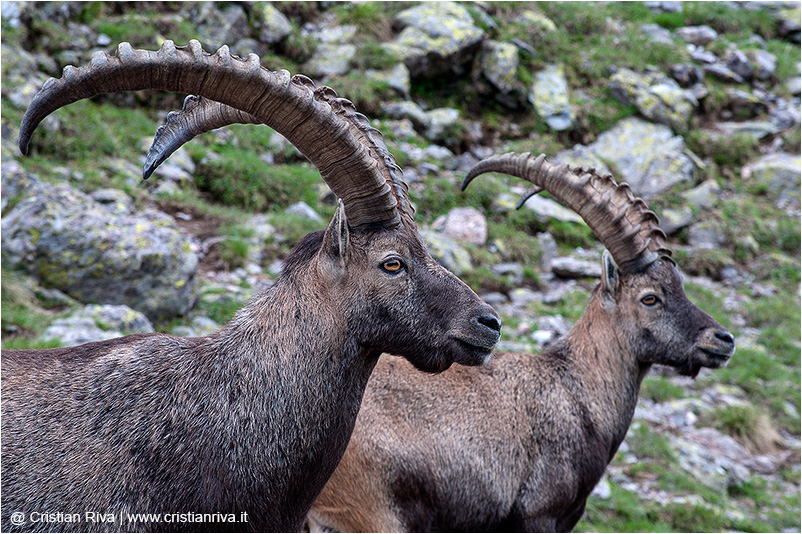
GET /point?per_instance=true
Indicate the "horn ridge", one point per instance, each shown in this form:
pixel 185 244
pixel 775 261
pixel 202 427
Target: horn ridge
pixel 621 221
pixel 243 84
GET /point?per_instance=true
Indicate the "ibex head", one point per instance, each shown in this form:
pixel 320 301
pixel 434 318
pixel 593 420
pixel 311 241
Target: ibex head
pixel 641 294
pixel 654 317
pixel 371 260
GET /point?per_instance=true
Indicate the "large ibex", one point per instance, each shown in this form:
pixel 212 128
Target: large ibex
pixel 246 424
pixel 519 444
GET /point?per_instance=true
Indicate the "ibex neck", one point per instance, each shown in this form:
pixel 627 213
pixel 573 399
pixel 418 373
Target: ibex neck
pixel 297 381
pixel 609 372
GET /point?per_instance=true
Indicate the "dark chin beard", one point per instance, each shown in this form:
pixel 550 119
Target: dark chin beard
pixel 690 369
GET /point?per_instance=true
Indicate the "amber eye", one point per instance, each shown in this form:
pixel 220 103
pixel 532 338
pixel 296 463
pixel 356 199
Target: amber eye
pixel 649 300
pixel 392 266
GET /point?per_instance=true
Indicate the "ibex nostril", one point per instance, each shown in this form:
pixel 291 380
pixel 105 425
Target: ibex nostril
pixel 490 321
pixel 725 336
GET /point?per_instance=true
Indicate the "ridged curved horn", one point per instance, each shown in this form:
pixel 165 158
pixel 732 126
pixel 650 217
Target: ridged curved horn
pixel 623 223
pixel 272 97
pixel 200 115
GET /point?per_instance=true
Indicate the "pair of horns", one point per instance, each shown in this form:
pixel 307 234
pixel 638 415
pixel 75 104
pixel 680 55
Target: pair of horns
pixel 620 221
pixel 327 130
pixel 348 152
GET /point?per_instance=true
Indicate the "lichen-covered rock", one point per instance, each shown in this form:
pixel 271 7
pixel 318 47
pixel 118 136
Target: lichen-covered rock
pixel 273 26
pixel 73 243
pixel 200 326
pixel 438 125
pixel 712 458
pixel 722 72
pixel 567 267
pixel 703 56
pixel 438 38
pixel 21 95
pixel 649 157
pixel 331 60
pixel 499 63
pixel 549 96
pixel 546 209
pixel 764 63
pixel 706 235
pixel 697 35
pixel 687 74
pixel 657 33
pixel 794 85
pixel 504 202
pixel 16 184
pixel 537 22
pixel 747 103
pixel 73 330
pixel 22 68
pixel 114 201
pixel 406 109
pixel 12 13
pixel 739 63
pixel 467 225
pixel 302 209
pixel 447 252
pixel 116 317
pixel 757 129
pixel 335 34
pixel 789 23
pixel 657 97
pixel 218 26
pixel 396 78
pixel 674 220
pixel 668 6
pixel 581 156
pixel 441 123
pixel 703 196
pixel 780 175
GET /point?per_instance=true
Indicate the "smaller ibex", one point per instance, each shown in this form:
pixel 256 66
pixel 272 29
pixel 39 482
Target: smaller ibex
pixel 158 432
pixel 519 444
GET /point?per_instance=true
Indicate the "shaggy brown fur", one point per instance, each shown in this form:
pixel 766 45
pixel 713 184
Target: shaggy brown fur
pixel 251 419
pixel 519 444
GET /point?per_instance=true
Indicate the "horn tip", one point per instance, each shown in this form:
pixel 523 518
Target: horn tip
pixel 24 146
pixel 147 171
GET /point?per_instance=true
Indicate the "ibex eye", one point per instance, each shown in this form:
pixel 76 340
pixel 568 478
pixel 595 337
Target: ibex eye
pixel 649 300
pixel 392 266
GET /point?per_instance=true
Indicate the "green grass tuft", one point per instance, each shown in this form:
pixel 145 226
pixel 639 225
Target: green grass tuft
pixel 242 179
pixel 660 389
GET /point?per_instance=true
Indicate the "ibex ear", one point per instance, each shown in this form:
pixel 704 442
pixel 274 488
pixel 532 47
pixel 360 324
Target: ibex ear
pixel 609 278
pixel 336 239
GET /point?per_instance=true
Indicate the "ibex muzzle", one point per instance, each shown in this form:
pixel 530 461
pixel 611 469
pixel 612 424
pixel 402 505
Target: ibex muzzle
pixel 250 421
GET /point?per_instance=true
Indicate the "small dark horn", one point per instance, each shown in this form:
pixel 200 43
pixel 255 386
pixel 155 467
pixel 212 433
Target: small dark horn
pixel 201 115
pixel 532 191
pixel 198 115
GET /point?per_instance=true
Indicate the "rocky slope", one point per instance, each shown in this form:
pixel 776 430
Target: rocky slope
pixel 695 105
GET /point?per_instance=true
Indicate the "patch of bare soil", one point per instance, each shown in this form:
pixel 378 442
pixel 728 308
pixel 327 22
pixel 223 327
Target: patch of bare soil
pixel 203 227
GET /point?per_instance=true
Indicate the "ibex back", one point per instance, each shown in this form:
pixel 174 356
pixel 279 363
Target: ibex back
pixel 519 444
pixel 252 420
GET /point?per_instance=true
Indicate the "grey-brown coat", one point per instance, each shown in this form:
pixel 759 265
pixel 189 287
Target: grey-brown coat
pixel 252 419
